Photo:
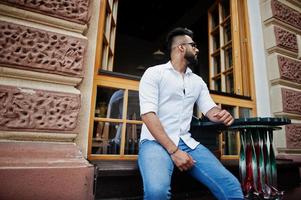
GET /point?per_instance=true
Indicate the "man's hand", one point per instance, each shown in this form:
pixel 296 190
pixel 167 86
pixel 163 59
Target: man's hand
pixel 220 116
pixel 225 117
pixel 182 160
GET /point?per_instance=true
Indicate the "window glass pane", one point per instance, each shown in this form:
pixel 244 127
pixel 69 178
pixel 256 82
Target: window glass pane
pixel 216 64
pixel 105 55
pixel 225 8
pixel 132 138
pixel 244 112
pixel 109 103
pixel 107 26
pixel 216 41
pixel 229 83
pixel 228 58
pixel 133 112
pixel 229 137
pixel 230 143
pixel 110 61
pixel 218 84
pixel 227 32
pixel 230 109
pixel 215 16
pixel 106 138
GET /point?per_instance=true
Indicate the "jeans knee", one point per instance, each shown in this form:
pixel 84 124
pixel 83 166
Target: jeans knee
pixel 158 192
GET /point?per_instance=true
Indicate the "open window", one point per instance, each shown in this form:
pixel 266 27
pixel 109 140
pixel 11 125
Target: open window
pixel 131 38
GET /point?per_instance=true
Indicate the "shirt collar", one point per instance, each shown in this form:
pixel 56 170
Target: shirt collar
pixel 169 66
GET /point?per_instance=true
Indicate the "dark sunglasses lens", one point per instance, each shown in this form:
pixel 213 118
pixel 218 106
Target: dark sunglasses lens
pixel 193 45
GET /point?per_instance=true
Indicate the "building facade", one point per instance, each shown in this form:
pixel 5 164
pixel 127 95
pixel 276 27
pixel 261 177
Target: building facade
pixel 70 70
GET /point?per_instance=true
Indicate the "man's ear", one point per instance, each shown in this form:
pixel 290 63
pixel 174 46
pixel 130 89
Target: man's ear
pixel 181 47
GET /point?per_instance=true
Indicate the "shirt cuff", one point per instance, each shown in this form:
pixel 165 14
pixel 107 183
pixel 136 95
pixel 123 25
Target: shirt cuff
pixel 207 107
pixel 146 108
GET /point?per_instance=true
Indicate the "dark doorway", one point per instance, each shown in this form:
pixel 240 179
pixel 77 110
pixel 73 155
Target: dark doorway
pixel 143 25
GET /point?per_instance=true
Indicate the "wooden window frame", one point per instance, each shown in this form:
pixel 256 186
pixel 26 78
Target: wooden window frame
pixel 106 35
pixel 118 83
pixel 240 44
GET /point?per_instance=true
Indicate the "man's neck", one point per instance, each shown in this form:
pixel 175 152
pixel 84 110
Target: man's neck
pixel 179 65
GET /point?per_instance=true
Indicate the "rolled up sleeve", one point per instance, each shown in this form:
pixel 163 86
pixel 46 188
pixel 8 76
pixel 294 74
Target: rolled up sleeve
pixel 149 91
pixel 204 101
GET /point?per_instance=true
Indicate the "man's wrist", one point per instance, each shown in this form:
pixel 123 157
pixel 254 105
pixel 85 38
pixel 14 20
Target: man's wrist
pixel 174 151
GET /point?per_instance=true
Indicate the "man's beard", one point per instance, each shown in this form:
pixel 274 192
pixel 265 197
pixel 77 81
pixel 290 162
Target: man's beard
pixel 192 59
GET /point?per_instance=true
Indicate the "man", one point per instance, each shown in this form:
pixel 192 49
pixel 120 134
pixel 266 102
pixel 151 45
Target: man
pixel 167 94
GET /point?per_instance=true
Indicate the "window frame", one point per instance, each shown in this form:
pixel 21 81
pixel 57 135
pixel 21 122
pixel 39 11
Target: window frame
pixel 240 44
pixel 118 83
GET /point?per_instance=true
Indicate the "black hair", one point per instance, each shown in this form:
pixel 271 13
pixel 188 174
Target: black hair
pixel 176 32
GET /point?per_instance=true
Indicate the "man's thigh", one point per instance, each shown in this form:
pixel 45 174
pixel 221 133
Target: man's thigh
pixel 209 170
pixel 155 163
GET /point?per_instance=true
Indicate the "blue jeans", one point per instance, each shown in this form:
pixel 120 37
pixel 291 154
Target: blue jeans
pixel 156 167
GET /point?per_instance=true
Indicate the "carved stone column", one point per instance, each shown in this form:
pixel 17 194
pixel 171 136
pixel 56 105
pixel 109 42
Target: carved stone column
pixel 43 56
pixel 282 30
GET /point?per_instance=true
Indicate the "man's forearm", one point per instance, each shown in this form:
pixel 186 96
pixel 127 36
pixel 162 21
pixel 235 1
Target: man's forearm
pixel 155 127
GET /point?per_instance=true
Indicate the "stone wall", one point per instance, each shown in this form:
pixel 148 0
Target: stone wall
pixel 282 36
pixel 43 63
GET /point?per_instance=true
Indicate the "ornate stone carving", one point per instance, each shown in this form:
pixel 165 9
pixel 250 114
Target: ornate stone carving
pixel 289 69
pixel 291 101
pixel 286 39
pixel 37 110
pixel 39 50
pixel 286 14
pixel 293 135
pixel 71 10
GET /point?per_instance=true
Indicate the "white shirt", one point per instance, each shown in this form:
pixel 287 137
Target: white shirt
pixel 163 90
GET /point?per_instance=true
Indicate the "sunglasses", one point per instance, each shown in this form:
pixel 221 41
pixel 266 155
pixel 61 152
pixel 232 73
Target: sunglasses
pixel 192 44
